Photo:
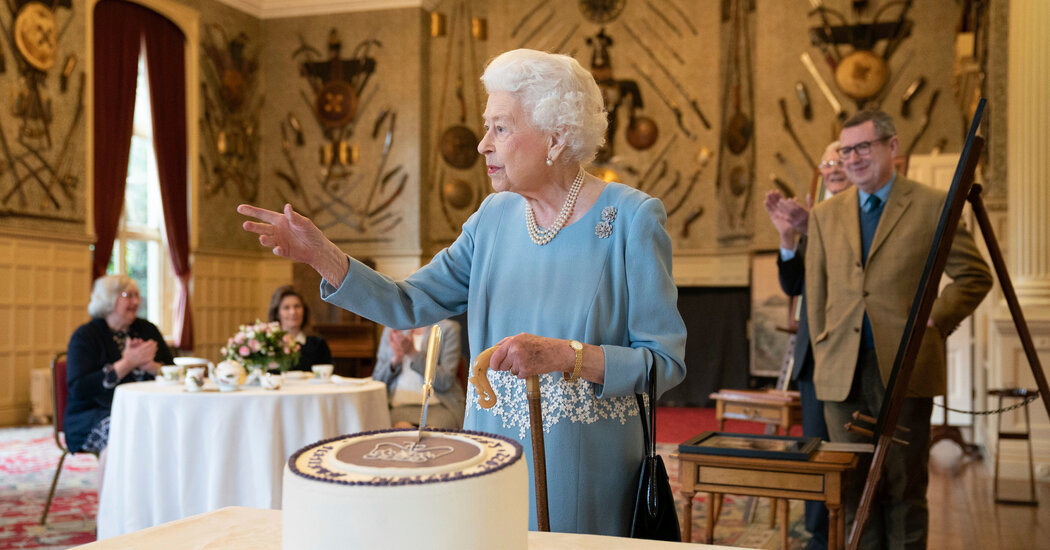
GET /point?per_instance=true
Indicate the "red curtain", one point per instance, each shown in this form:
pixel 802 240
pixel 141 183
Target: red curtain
pixel 120 27
pixel 117 42
pixel 167 82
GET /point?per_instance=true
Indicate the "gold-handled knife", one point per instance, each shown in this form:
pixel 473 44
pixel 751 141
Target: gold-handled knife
pixel 433 350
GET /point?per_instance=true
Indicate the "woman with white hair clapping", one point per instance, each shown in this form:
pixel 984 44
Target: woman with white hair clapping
pixel 568 274
pixel 115 347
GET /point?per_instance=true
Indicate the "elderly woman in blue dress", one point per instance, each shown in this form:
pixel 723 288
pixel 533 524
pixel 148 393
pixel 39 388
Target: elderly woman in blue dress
pixel 568 274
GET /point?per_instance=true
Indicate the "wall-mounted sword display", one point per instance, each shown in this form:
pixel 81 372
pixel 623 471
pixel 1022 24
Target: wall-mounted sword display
pixel 825 90
pixel 663 17
pixel 656 161
pixel 702 159
pixel 660 39
pixel 786 122
pixel 909 95
pixel 525 18
pixel 690 99
pixel 675 109
pixel 683 17
pixel 803 100
pixel 542 25
pixel 925 124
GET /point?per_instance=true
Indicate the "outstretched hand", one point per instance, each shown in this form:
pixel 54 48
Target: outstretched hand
pixel 295 237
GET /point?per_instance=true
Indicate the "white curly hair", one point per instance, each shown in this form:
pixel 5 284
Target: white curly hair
pixel 557 93
pixel 105 291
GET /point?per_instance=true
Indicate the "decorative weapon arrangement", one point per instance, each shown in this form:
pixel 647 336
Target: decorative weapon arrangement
pixel 230 124
pixel 341 195
pixel 657 34
pixel 39 172
pixel 460 183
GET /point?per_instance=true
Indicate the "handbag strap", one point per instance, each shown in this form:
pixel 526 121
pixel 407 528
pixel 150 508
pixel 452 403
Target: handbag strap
pixel 649 437
pixel 648 420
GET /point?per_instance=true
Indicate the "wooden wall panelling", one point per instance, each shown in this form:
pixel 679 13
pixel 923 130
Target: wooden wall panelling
pixel 231 289
pixel 44 291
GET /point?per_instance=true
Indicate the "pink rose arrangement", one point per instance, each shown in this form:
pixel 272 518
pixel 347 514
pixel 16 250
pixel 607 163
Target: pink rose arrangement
pixel 262 345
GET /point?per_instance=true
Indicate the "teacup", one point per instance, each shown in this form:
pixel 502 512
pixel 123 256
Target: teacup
pixel 271 381
pixel 187 362
pixel 195 378
pixel 322 373
pixel 171 373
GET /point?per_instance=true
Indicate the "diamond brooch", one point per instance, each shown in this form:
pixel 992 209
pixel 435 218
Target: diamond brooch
pixel 604 227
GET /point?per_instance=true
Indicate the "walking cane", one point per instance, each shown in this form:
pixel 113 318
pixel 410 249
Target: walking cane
pixel 487 398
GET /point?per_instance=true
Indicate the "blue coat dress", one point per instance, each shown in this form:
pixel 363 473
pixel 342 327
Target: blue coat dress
pixel 605 280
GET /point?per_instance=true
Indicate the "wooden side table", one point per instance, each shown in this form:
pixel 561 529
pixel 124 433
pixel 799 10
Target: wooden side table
pixel 782 409
pixel 819 478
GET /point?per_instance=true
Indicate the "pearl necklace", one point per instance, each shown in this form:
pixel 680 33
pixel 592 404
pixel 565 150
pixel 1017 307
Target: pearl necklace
pixel 544 236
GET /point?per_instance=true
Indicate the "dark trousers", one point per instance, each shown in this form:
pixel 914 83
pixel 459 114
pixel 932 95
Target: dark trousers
pixel 898 517
pixel 813 426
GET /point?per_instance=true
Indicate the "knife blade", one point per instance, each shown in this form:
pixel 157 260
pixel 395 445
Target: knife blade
pixel 803 99
pixel 824 88
pixel 909 94
pixel 433 349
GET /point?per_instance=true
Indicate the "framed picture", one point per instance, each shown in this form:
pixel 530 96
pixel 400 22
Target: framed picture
pixel 751 445
pixel 770 310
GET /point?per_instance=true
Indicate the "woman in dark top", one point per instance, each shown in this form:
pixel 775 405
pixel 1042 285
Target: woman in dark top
pixel 288 308
pixel 113 348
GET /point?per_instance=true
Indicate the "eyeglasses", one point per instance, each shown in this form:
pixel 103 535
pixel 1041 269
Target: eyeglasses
pixel 863 148
pixel 831 163
pixel 130 294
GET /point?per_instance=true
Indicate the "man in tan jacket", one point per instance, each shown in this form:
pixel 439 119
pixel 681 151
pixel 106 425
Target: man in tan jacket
pixel 866 253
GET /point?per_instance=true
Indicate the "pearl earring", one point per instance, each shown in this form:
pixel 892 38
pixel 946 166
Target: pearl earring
pixel 550 162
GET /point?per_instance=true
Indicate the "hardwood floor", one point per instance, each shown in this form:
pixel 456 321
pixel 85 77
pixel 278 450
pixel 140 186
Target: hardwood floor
pixel 964 515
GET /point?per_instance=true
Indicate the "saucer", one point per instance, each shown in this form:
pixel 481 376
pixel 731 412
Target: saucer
pixel 348 381
pixel 163 382
pixel 320 381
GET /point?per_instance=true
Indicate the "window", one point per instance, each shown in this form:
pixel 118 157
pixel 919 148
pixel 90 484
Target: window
pixel 139 249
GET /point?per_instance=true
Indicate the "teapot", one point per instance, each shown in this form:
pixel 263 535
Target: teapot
pixel 229 374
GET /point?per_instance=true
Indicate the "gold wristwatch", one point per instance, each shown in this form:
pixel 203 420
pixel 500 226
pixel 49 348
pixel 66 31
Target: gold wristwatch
pixel 577 347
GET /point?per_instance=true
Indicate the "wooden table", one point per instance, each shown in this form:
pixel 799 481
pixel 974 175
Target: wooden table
pixel 239 528
pixel 782 409
pixel 819 478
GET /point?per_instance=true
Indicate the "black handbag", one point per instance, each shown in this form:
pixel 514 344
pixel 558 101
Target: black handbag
pixel 655 515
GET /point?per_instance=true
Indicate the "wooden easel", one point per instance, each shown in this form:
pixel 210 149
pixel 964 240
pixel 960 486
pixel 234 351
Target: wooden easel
pixel 962 189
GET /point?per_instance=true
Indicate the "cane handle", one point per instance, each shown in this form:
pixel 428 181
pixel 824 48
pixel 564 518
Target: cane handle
pixel 480 379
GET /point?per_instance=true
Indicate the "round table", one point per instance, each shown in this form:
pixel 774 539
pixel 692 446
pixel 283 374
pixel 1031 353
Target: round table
pixel 173 454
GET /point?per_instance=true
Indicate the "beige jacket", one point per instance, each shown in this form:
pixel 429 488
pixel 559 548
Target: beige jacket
pixel 839 288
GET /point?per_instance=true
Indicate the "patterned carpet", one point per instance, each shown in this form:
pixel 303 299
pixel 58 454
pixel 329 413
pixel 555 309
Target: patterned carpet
pixel 28 457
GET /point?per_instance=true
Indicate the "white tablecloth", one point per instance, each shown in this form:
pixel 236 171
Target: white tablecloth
pixel 174 454
pixel 251 529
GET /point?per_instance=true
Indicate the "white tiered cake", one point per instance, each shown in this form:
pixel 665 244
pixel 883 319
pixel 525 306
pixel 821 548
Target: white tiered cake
pixel 454 489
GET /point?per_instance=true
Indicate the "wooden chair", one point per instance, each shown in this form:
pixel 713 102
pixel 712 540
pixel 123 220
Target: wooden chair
pixel 59 394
